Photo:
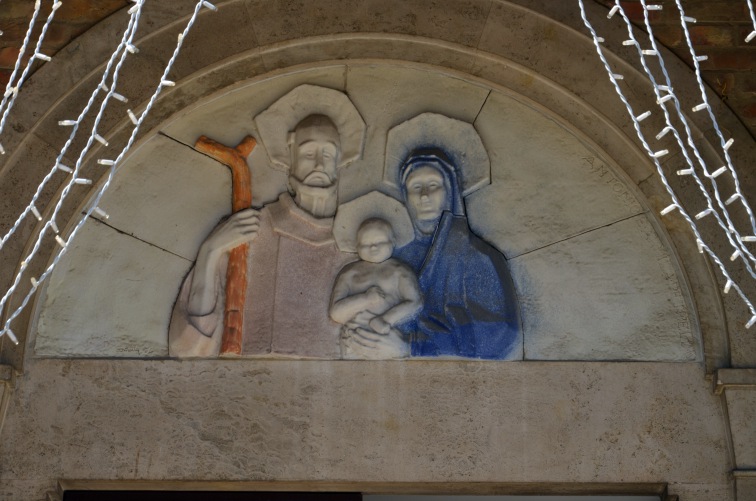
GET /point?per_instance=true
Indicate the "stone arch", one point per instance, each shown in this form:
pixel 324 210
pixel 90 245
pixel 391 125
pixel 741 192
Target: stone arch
pixel 518 49
pixel 480 48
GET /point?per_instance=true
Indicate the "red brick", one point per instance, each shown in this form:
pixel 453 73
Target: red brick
pixel 634 10
pixel 4 77
pixel 8 56
pixel 712 11
pixel 11 9
pixel 748 111
pixel 745 82
pixel 60 34
pixel 712 35
pixel 87 11
pixel 742 59
pixel 670 36
pixel 14 31
pixel 742 33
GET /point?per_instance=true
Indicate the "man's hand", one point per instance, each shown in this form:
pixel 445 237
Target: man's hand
pixel 239 228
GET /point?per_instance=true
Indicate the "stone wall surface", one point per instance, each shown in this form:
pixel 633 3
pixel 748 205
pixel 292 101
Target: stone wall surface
pixel 427 421
pixel 443 422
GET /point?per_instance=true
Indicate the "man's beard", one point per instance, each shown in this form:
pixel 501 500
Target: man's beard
pixel 320 201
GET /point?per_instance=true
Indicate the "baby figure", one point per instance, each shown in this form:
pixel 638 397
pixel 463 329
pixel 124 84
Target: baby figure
pixel 374 294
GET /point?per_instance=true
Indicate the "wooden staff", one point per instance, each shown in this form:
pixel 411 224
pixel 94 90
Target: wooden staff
pixel 236 275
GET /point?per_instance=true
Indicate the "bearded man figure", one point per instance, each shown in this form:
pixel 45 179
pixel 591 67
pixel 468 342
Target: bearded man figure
pixel 292 261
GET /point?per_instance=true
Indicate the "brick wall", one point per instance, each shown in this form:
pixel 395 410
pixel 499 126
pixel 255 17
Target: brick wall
pixel 719 32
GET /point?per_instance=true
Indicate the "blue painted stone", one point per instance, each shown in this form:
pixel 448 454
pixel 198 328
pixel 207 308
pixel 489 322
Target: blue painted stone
pixel 470 307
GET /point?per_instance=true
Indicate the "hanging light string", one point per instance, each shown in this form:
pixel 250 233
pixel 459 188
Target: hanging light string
pixel 74 180
pixel 13 85
pixel 74 124
pixel 661 94
pixel 751 35
pixel 724 143
pixel 733 236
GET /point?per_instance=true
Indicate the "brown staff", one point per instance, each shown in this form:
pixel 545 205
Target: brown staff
pixel 236 275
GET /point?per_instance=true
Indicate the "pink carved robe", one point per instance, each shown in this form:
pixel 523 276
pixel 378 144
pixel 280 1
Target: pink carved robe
pixel 292 265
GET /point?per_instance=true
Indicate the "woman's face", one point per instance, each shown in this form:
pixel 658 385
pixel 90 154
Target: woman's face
pixel 426 197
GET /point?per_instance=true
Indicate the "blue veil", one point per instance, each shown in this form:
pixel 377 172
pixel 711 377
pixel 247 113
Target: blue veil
pixel 470 308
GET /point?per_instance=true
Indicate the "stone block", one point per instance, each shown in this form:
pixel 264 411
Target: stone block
pixel 125 316
pixel 365 46
pixel 459 22
pixel 26 168
pixel 611 293
pixel 703 492
pixel 169 196
pixel 745 485
pixel 542 177
pixel 309 421
pixel 741 407
pixel 388 95
pixel 222 120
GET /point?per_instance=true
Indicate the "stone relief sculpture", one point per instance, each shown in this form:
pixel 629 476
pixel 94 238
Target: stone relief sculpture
pixel 469 307
pixel 424 284
pixel 371 296
pixel 289 239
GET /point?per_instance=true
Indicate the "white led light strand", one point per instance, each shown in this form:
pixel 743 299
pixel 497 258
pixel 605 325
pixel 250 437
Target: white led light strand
pixel 732 234
pixel 94 206
pixel 752 34
pixel 655 155
pixel 725 143
pixel 58 166
pixel 13 85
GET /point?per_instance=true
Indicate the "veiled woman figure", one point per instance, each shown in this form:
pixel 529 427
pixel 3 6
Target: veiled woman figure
pixel 470 307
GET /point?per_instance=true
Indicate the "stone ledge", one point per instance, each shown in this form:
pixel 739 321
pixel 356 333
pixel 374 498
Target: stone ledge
pixel 403 488
pixel 734 378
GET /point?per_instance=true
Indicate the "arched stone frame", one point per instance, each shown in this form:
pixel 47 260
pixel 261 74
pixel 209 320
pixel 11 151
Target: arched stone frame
pixel 207 72
pixel 477 49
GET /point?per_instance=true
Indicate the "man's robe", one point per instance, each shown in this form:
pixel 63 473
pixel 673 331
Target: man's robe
pixel 292 264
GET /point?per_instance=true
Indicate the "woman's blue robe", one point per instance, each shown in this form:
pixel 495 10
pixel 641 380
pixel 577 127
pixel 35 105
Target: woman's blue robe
pixel 470 307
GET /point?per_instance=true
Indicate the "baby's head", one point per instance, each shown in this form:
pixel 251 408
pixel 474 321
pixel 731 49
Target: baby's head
pixel 375 240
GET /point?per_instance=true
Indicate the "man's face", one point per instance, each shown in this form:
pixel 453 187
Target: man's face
pixel 374 242
pixel 426 196
pixel 315 155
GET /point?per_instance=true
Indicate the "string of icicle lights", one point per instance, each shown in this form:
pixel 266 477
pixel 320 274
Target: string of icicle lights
pixel 106 90
pixel 718 206
pixel 17 80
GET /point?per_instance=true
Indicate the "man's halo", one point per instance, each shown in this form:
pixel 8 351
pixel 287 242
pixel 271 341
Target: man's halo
pixel 275 123
pixel 459 140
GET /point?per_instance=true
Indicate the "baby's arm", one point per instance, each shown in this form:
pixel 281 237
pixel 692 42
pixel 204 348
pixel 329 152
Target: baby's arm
pixel 411 303
pixel 345 305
